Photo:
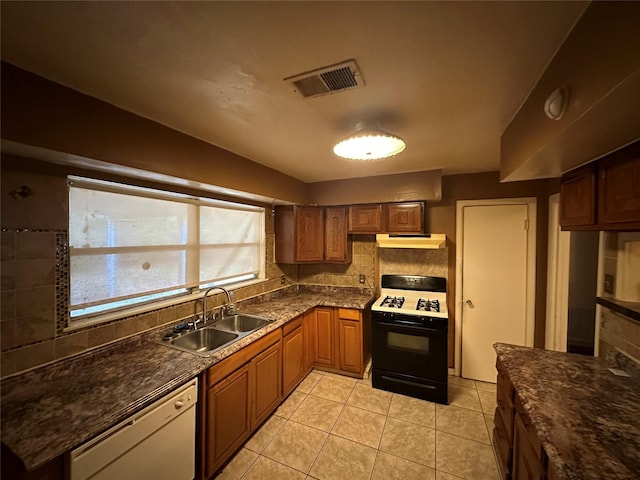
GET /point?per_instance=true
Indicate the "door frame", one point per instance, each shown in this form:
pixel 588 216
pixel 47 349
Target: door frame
pixel 557 321
pixel 530 202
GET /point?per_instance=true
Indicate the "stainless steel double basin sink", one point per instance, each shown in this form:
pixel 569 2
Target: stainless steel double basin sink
pixel 205 341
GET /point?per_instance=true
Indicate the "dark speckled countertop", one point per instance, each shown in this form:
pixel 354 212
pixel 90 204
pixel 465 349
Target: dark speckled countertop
pixel 585 417
pixel 53 409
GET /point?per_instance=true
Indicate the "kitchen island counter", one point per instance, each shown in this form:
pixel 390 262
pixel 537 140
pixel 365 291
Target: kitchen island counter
pixel 53 409
pixel 585 417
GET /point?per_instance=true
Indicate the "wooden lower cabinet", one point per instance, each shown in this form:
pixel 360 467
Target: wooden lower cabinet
pixel 527 465
pixel 325 337
pixel 350 340
pixel 519 452
pixel 266 384
pixel 293 358
pixel 309 334
pixel 228 422
pixel 237 395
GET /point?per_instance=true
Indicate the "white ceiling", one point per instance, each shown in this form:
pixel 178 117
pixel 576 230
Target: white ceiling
pixel 447 77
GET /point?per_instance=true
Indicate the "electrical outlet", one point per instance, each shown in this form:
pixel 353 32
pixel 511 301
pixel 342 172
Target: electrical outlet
pixel 609 281
pixel 282 280
pixel 361 278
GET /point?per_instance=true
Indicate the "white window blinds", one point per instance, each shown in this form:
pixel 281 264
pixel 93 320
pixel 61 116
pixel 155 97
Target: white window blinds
pixel 129 245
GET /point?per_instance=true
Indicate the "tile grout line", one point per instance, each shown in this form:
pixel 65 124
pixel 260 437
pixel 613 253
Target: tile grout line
pixel 244 473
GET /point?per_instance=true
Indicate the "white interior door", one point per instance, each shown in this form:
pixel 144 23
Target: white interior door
pixel 496 271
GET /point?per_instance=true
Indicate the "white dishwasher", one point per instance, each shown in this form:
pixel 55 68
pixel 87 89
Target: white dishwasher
pixel 157 443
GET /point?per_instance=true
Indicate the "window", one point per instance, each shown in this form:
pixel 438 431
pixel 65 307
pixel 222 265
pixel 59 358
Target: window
pixel 130 245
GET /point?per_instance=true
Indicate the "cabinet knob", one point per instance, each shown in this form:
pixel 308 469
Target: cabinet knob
pixel 469 303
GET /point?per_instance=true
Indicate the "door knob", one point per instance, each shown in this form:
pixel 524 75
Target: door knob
pixel 470 303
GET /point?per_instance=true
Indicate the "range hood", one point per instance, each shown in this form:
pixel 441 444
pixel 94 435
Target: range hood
pixel 433 240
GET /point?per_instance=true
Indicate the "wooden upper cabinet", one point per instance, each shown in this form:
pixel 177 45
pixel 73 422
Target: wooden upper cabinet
pixel 619 187
pixel 603 195
pixel 299 234
pixel 312 235
pixel 337 244
pixel 578 197
pixel 365 219
pixel 404 217
pixel 309 234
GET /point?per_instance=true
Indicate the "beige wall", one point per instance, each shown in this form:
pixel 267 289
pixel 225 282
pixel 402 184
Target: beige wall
pixel 40 113
pixel 602 72
pixel 35 274
pixel 401 187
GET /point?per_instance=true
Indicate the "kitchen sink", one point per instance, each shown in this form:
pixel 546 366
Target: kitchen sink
pixel 241 323
pixel 204 340
pixel 207 340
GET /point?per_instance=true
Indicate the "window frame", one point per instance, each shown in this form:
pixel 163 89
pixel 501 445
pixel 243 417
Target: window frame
pixel 192 248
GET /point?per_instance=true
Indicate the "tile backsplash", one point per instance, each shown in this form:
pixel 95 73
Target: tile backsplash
pixel 35 280
pixel 622 272
pixel 619 332
pixel 622 265
pixel 35 302
pixel 413 261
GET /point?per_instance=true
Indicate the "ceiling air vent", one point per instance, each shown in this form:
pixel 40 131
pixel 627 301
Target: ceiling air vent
pixel 326 80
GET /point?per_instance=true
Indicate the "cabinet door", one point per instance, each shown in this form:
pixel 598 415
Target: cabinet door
pixel 309 234
pixel 404 217
pixel 365 219
pixel 619 189
pixel 350 345
pixel 325 337
pixel 337 245
pixel 228 423
pixel 309 334
pixel 578 198
pixel 266 384
pixel 526 463
pixel 292 360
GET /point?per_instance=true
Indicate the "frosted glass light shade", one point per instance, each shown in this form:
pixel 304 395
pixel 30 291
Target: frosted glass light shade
pixel 369 144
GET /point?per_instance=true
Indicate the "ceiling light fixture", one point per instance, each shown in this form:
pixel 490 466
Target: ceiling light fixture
pixel 369 144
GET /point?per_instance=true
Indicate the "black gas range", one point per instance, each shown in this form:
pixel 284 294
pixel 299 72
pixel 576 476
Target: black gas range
pixel 409 330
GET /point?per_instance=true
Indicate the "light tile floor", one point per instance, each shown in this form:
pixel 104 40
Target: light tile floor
pixel 334 427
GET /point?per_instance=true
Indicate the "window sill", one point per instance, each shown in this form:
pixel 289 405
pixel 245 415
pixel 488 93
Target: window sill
pixel 82 323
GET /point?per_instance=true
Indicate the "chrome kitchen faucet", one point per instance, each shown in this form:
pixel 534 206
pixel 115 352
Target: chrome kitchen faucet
pixel 228 309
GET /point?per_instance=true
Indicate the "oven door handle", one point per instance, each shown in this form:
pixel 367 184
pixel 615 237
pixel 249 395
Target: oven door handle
pixel 412 326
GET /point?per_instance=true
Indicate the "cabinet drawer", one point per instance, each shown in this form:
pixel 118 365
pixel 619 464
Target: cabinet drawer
pixel 349 314
pixel 292 325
